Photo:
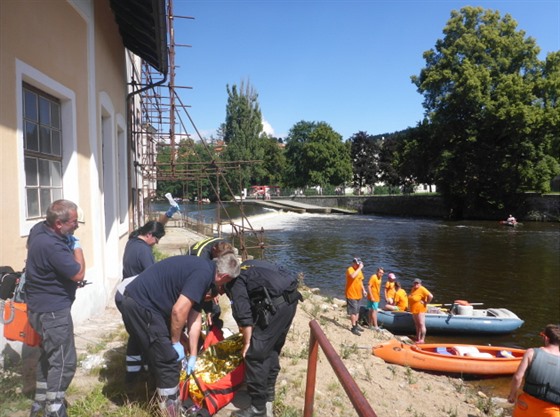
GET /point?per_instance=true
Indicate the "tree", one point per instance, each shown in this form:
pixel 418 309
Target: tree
pixel 364 151
pixel 486 112
pixel 242 134
pixel 316 155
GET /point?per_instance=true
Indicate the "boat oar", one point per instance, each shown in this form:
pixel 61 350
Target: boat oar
pixel 452 304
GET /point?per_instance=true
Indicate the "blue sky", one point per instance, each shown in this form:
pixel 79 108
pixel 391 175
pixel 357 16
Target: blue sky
pixel 344 62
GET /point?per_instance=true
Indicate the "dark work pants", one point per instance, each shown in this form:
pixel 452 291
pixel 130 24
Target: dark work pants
pixel 262 363
pixel 58 360
pixel 152 333
pixel 134 360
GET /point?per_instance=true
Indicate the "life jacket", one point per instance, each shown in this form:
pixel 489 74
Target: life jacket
pixel 542 379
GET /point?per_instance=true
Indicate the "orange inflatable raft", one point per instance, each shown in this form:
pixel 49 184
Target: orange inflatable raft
pixel 451 358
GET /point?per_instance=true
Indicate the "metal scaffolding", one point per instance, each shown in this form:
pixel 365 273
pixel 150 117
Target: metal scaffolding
pixel 163 148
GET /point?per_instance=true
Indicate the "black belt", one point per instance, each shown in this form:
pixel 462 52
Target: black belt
pixel 287 297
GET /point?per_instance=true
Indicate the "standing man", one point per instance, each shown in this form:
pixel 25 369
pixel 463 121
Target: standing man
pixel 54 270
pixel 354 292
pixel 157 305
pixel 264 301
pixel 374 296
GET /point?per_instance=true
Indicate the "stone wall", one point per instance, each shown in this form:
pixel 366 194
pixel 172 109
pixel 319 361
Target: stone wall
pixel 536 208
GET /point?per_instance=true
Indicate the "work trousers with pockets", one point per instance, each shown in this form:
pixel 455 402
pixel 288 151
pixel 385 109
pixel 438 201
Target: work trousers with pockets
pixel 58 360
pixel 134 361
pixel 151 331
pixel 262 363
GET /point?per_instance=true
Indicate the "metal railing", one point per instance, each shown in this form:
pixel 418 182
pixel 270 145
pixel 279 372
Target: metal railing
pixel 317 338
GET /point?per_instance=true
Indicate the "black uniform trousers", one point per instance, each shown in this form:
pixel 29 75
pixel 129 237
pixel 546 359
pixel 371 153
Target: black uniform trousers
pixel 262 363
pixel 152 332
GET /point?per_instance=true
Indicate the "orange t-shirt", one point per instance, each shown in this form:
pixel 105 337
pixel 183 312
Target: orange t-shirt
pixel 390 289
pixel 401 300
pixel 374 288
pixel 354 286
pixel 415 299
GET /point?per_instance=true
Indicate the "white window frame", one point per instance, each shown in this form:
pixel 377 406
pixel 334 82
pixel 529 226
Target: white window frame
pixel 32 76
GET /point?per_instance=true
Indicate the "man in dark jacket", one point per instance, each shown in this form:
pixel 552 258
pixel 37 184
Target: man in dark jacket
pixel 54 270
pixel 158 303
pixel 264 301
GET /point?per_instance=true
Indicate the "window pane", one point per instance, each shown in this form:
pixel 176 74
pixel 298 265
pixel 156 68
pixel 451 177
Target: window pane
pixel 29 105
pixel 44 173
pixel 57 194
pixel 56 174
pixel 44 111
pixel 45 140
pixel 45 198
pixel 55 115
pixel 33 203
pixel 31 137
pixel 56 143
pixel 31 171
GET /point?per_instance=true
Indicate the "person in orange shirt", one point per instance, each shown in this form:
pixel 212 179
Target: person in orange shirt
pixel 401 299
pixel 418 300
pixel 374 296
pixel 390 289
pixel 354 292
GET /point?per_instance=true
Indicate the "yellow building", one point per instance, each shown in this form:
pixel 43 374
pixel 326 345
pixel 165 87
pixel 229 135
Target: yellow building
pixel 67 96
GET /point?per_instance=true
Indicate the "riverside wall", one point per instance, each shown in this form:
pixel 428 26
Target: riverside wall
pixel 536 207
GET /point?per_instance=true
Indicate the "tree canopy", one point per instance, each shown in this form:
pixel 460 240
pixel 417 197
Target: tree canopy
pixel 492 108
pixel 316 155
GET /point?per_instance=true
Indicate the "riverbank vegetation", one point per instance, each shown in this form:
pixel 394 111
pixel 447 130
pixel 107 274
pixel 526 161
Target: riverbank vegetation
pixel 488 136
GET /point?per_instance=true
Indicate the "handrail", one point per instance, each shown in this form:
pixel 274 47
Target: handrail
pixel 316 338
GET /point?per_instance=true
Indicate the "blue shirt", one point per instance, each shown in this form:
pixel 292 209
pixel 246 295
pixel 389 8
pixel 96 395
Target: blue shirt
pixel 137 257
pixel 158 288
pixel 48 271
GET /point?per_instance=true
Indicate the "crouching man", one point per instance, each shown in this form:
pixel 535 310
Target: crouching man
pixel 155 308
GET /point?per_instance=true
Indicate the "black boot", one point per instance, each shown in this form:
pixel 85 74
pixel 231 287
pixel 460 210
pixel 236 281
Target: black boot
pixel 251 411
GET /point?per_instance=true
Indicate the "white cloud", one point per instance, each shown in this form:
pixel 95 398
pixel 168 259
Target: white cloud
pixel 267 128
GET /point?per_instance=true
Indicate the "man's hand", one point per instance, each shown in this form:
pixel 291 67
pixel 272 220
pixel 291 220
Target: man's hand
pixel 191 364
pixel 73 242
pixel 180 351
pixel 171 211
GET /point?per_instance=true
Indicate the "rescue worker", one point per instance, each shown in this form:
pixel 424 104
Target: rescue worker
pixel 264 301
pixel 157 304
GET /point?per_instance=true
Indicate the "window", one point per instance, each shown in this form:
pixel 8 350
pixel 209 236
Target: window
pixel 42 143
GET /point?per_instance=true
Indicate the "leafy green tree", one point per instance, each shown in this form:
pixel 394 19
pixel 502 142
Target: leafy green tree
pixel 274 161
pixel 484 97
pixel 364 151
pixel 242 134
pixel 316 155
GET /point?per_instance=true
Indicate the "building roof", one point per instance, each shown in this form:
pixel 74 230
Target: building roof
pixel 143 28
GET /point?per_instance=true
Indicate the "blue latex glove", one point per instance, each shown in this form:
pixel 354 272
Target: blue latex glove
pixel 180 351
pixel 74 242
pixel 172 210
pixel 191 364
